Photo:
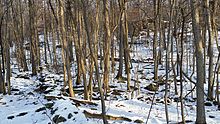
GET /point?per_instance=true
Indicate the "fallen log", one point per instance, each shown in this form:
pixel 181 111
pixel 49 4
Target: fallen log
pixel 109 117
pixel 77 101
pixel 85 102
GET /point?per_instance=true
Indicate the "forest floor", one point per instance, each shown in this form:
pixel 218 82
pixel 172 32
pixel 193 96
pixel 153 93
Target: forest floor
pixel 39 100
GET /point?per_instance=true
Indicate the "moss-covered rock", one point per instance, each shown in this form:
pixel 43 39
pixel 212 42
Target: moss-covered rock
pixel 49 105
pixel 152 87
pixel 58 119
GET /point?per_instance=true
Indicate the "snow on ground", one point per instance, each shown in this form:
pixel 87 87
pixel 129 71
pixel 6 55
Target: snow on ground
pixel 31 102
pixel 25 104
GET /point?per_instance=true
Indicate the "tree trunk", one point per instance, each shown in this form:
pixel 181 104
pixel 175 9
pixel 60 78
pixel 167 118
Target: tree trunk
pixel 65 47
pixel 207 18
pixel 121 37
pixel 126 47
pixel 95 61
pixel 21 47
pixel 79 47
pixel 200 111
pixel 155 43
pixel 2 82
pixel 181 66
pixel 106 50
pixel 33 44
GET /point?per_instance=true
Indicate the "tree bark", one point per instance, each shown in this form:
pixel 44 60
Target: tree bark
pixel 33 40
pixel 65 47
pixel 106 50
pixel 200 111
pixel 208 24
pixel 155 43
pixel 95 62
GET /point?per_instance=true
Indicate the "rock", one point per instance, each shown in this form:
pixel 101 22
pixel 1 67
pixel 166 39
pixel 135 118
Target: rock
pixel 27 46
pixel 116 92
pixel 176 99
pixel 58 46
pixel 23 76
pixel 19 93
pixel 53 111
pixel 168 100
pixel 218 107
pixel 140 97
pixel 211 116
pixel 189 99
pixel 140 71
pixel 93 108
pixel 138 121
pixel 57 81
pixel 58 119
pixel 40 109
pixel 96 98
pixel 11 117
pixel 133 88
pixel 121 82
pixel 157 99
pixel 49 98
pixel 148 99
pixel 42 88
pixel 120 105
pixel 75 112
pixel 14 89
pixel 48 91
pixel 49 105
pixel 121 79
pixel 163 102
pixel 70 115
pixel 112 86
pixel 31 94
pixel 160 81
pixel 189 121
pixel 215 103
pixel 22 114
pixel 143 77
pixel 208 104
pixel 114 98
pixel 35 103
pixel 42 79
pixel 152 87
pixel 2 103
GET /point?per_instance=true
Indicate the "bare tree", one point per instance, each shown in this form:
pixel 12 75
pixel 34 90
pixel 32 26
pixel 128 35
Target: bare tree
pixel 181 63
pixel 65 47
pixel 123 45
pixel 107 41
pixel 155 43
pixel 2 82
pixel 33 40
pixel 84 3
pixel 200 111
pixel 209 27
